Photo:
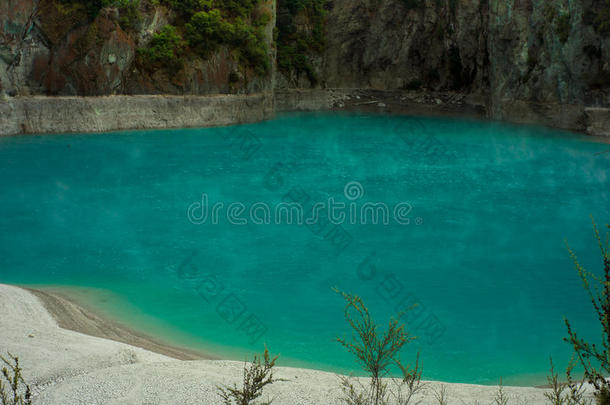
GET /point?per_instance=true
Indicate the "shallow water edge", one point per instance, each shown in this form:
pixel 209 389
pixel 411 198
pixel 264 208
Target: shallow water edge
pixel 83 310
pixel 72 311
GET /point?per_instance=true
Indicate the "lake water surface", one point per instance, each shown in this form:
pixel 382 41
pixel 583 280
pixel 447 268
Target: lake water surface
pixel 475 213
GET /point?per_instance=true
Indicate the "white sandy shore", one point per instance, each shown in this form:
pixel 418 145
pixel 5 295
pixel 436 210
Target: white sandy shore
pixel 66 367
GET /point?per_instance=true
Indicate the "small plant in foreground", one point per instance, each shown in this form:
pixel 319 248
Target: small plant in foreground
pixel 13 389
pixel 440 395
pixel 376 352
pixel 570 393
pixel 595 359
pixel 501 398
pixel 556 396
pixel 410 384
pixel 256 376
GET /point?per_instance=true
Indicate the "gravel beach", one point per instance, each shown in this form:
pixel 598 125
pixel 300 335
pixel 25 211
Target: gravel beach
pixel 72 356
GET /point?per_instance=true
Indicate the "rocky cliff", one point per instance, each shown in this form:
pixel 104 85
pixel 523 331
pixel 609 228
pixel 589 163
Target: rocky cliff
pixel 544 61
pixel 59 47
pixel 526 60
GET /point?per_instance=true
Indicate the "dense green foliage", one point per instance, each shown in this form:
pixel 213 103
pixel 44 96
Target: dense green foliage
pixel 295 47
pixel 237 24
pixel 129 13
pixel 200 28
pixel 166 49
pixel 209 29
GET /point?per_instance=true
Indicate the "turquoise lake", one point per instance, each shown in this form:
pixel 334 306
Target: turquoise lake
pixel 481 249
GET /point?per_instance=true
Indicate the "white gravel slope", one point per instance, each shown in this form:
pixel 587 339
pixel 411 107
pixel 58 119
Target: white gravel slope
pixel 66 367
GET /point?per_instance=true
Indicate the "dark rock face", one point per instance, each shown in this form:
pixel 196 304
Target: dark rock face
pixel 526 60
pixel 505 48
pixel 524 57
pixel 385 45
pixel 90 60
pixel 548 52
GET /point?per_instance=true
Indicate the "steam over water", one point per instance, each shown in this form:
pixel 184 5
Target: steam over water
pixel 477 240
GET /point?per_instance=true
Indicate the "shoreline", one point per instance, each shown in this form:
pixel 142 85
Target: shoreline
pixel 67 367
pixel 72 312
pixel 73 315
pixel 587 120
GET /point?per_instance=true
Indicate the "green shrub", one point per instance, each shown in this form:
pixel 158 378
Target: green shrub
pixel 254 52
pixel 260 17
pixel 230 8
pixel 239 8
pixel 13 388
pixel 237 24
pixel 595 359
pixel 188 7
pixel 208 30
pixel 570 393
pixel 129 14
pixel 295 49
pixel 256 376
pixel 205 31
pixel 377 352
pixel 166 49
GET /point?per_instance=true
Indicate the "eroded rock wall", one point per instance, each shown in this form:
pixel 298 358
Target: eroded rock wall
pixel 540 61
pixel 383 44
pixel 548 53
pixel 535 61
pixel 52 48
pixel 20 115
